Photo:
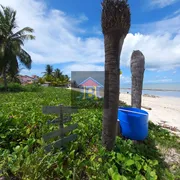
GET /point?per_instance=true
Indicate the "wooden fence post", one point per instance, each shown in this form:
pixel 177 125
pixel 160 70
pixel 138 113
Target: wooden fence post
pixel 60 110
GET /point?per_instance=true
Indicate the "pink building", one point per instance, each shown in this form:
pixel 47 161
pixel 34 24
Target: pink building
pixel 27 79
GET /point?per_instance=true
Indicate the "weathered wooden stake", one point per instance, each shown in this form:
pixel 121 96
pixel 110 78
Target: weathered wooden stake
pixel 59 110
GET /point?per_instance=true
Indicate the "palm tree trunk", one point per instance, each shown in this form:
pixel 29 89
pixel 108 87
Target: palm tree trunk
pixel 5 79
pixel 113 45
pixel 137 70
pixel 115 22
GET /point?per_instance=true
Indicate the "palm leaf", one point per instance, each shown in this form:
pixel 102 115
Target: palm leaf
pixel 25 37
pixel 8 19
pixel 22 32
pixel 25 59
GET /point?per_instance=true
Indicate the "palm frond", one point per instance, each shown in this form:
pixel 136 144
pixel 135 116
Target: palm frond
pixel 25 59
pixel 22 32
pixel 8 19
pixel 19 41
pixel 22 38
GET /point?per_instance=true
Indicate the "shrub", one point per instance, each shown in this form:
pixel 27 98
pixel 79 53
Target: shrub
pixel 15 87
pixel 12 87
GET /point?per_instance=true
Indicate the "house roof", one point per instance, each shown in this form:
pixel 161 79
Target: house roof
pixel 90 82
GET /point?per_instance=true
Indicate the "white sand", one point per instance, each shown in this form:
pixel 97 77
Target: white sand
pixel 163 109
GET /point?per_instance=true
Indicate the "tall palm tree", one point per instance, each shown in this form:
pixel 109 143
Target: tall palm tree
pixel 11 43
pixel 137 70
pixel 115 23
pixel 57 73
pixel 48 70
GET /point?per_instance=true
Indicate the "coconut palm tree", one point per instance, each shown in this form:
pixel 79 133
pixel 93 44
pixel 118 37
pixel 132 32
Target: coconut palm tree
pixel 57 73
pixel 115 23
pixel 137 71
pixel 11 43
pixel 48 70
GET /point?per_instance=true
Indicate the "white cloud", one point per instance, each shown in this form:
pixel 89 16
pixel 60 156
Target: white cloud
pixel 161 52
pixel 56 34
pixel 59 39
pixel 82 67
pixel 162 3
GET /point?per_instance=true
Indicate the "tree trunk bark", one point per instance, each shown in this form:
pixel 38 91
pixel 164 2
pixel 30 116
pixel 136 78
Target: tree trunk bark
pixel 137 70
pixel 113 46
pixel 5 80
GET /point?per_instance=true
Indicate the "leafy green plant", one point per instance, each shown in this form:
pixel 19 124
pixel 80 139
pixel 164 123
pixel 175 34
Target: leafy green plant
pixel 16 87
pixel 22 154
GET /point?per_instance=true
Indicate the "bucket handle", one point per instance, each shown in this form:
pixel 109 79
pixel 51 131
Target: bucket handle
pixel 133 112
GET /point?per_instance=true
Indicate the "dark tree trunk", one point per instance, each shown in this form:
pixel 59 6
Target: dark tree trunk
pixel 5 80
pixel 137 70
pixel 115 23
pixel 113 45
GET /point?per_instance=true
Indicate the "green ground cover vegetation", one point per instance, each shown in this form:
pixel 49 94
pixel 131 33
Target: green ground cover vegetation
pixel 22 155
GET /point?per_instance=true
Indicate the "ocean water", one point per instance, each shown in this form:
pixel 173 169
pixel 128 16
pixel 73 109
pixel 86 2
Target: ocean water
pixel 157 89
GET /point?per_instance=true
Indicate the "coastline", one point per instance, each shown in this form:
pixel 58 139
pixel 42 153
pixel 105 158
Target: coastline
pixel 155 92
pixel 148 89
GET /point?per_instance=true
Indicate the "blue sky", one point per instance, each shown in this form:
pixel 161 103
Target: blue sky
pixel 68 36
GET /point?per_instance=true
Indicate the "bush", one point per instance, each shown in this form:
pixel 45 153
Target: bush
pixel 33 88
pixel 15 87
pixel 12 87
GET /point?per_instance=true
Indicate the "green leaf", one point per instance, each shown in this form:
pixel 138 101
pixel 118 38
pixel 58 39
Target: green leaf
pixel 129 162
pixel 100 159
pixel 92 158
pixel 110 171
pixel 116 176
pixel 120 157
pixel 28 130
pixel 155 162
pixel 140 177
pixel 71 155
pixel 145 167
pixel 123 178
pixel 153 175
pixel 138 165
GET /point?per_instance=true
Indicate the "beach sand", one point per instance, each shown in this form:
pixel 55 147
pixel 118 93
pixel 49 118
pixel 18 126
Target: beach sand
pixel 165 110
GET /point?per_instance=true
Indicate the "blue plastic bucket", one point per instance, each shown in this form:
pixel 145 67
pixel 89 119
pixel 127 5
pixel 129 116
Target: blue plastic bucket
pixel 133 123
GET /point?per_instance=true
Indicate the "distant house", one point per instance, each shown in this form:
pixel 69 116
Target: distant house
pixel 27 79
pixel 91 84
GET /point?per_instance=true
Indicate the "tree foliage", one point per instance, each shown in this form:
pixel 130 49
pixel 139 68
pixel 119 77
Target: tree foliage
pixel 11 51
pixel 55 78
